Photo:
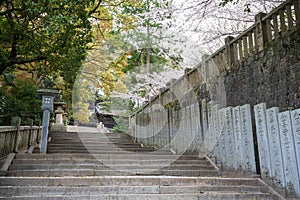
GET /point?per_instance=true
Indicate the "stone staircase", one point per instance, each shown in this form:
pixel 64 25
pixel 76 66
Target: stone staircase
pixel 92 165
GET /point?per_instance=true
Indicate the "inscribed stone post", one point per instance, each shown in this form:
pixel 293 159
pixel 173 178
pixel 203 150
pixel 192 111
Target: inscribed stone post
pixel 247 135
pixel 199 141
pixel 238 137
pixel 222 136
pixel 137 127
pixel 230 143
pixel 168 127
pixel 216 121
pixel 170 124
pixel 179 138
pixel 193 127
pixel 275 148
pixel 204 125
pixel 210 132
pixel 289 153
pixel 188 132
pixel 148 127
pixel 166 131
pixel 158 129
pixel 176 123
pixel 174 128
pixel 216 146
pixel 156 126
pixel 262 139
pixel 295 115
pixel 184 128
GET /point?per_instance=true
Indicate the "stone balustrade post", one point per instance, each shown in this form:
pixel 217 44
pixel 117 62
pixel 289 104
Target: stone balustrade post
pixel 229 52
pixel 204 67
pixel 16 121
pixel 30 123
pixel 261 32
pixel 297 12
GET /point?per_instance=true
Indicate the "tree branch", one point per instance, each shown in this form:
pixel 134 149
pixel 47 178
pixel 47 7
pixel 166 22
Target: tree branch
pixel 95 8
pixel 20 62
pixel 10 11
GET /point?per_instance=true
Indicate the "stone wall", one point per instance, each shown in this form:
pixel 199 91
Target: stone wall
pixel 271 76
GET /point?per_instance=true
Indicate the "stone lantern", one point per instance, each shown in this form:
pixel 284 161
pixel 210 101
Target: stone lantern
pixel 48 96
pixel 59 117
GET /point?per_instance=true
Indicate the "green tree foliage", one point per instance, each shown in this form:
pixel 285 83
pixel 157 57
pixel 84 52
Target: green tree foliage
pixel 50 39
pixel 53 34
pixel 19 99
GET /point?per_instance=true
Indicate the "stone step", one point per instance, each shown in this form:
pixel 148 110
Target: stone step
pixel 9 191
pixel 117 152
pixel 135 156
pixel 100 166
pixel 112 162
pixel 232 196
pixel 104 144
pixel 52 148
pixel 94 145
pixel 88 138
pixel 128 181
pixel 105 166
pixel 110 172
pixel 87 133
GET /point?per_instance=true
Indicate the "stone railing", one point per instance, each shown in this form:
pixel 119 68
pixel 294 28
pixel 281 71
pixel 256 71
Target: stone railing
pixel 267 28
pixel 13 139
